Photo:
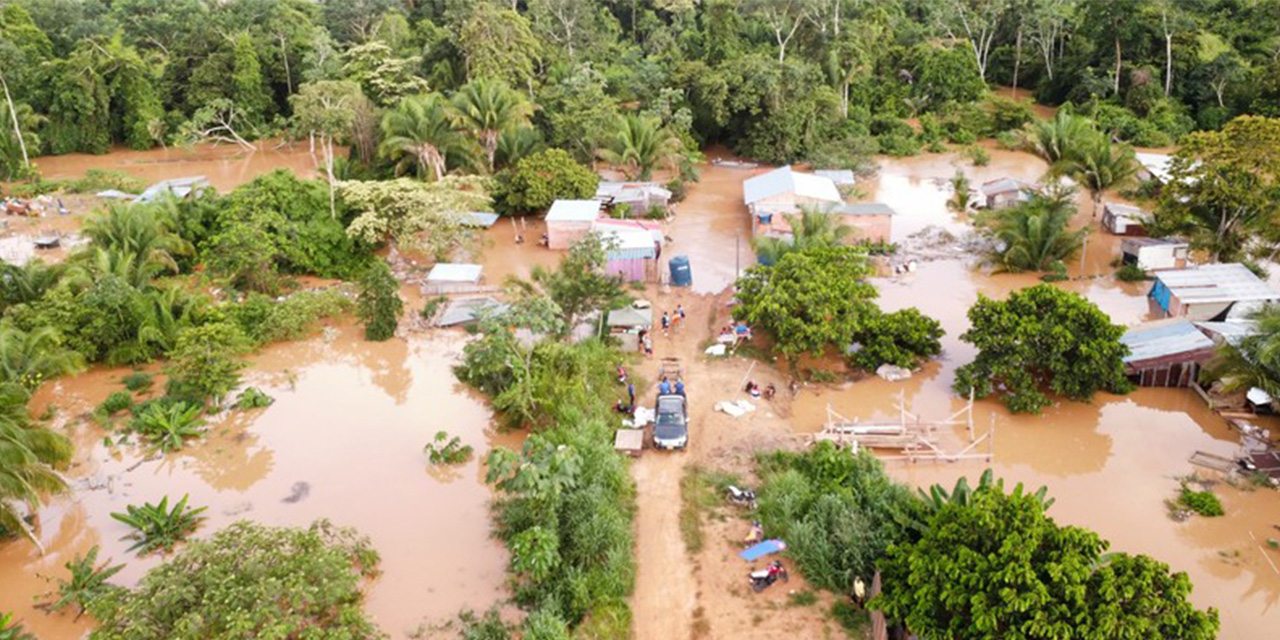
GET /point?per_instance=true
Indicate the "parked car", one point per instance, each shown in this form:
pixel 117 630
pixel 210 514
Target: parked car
pixel 671 423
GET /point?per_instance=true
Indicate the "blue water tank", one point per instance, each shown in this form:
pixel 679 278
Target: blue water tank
pixel 681 275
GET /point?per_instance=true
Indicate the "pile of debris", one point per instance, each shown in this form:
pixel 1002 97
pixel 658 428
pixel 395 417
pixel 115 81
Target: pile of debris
pixel 935 243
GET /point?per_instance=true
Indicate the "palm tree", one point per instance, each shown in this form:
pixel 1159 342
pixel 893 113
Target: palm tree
pixel 812 228
pixel 419 132
pixel 640 145
pixel 1255 360
pixel 1034 235
pixel 147 232
pixel 29 455
pixel 486 107
pixel 96 263
pixel 516 144
pixel 1060 139
pixel 162 314
pixel 1100 166
pixel 28 282
pixel 27 359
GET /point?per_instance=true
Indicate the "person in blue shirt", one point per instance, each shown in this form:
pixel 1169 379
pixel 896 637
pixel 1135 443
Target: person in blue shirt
pixel 664 387
pixel 680 386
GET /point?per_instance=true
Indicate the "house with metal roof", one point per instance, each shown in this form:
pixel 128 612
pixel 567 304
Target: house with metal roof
pixel 870 221
pixel 1124 219
pixel 462 311
pixel 1154 254
pixel 642 197
pixel 770 196
pixel 479 219
pixel 632 251
pixel 1210 292
pixel 454 273
pixel 569 220
pixel 842 177
pixel 1153 166
pixel 1005 192
pixel 1167 353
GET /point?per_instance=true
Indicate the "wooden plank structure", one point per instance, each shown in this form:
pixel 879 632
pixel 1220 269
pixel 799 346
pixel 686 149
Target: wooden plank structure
pixel 629 441
pixel 915 439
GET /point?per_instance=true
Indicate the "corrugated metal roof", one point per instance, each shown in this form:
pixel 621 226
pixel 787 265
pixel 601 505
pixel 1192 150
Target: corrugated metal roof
pixel 839 176
pixel 1003 185
pixel 862 209
pixel 464 310
pixel 1126 210
pixel 1231 331
pixel 1212 283
pixel 574 211
pixel 628 242
pixel 630 317
pixel 1157 164
pixel 455 272
pixel 784 180
pixel 1163 339
pixel 180 187
pixel 483 219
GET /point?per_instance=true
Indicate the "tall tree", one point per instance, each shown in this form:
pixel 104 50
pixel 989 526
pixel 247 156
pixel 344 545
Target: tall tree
pixel 486 107
pixel 327 108
pixel 642 144
pixel 1035 235
pixel 1100 166
pixel 419 133
pixel 979 21
pixel 499 43
pixel 784 18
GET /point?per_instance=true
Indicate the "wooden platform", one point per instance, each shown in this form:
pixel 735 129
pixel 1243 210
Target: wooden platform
pixel 629 441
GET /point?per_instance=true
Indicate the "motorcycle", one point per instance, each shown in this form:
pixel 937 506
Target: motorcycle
pixel 764 578
pixel 741 497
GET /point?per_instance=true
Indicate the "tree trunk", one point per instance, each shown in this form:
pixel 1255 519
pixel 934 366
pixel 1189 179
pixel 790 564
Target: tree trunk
pixel 284 53
pixel 1168 64
pixel 1017 60
pixel 844 101
pixel 13 116
pixel 328 165
pixel 1117 91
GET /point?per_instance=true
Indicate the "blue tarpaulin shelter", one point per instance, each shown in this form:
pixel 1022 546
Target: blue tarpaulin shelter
pixel 761 550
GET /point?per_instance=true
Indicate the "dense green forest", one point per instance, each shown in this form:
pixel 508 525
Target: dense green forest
pixel 774 79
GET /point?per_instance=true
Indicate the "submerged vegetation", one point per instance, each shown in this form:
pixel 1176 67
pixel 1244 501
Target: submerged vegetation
pixel 158 527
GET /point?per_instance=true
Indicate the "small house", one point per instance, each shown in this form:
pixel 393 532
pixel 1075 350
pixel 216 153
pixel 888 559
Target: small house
pixel 180 188
pixel 1210 292
pixel 633 249
pixel 626 323
pixel 464 311
pixel 1005 192
pixel 1154 254
pixel 770 195
pixel 1167 353
pixel 641 197
pixel 479 219
pixel 870 221
pixel 569 220
pixel 1124 219
pixel 842 177
pixel 446 277
pixel 1153 166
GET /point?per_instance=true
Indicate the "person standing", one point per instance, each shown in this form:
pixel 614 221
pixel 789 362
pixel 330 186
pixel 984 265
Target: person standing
pixel 666 324
pixel 631 393
pixel 680 314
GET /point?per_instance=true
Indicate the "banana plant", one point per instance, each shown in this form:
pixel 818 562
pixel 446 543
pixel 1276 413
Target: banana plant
pixel 88 582
pixel 157 527
pixel 168 426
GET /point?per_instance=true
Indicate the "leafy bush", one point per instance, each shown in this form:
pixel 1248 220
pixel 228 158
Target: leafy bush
pixel 11 629
pixel 265 320
pixel 1041 337
pixel 245 580
pixel 894 144
pixel 978 155
pixel 379 304
pixel 539 180
pixel 95 180
pixel 1056 272
pixel 253 398
pixel 446 450
pixel 116 402
pixel 137 381
pixel 87 584
pixel 205 363
pixel 157 527
pixel 903 338
pixel 1131 273
pixel 1201 502
pixel 167 425
pixel 1008 114
pixel 838 512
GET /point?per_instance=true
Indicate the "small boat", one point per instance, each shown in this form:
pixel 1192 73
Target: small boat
pixel 47 241
pixel 734 164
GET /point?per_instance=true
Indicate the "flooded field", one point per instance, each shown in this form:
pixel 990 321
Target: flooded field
pixel 343 441
pixel 226 166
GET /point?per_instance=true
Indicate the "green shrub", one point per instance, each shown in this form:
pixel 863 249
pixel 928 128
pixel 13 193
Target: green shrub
pixel 116 402
pixel 903 338
pixel 1057 272
pixel 803 598
pixel 1201 502
pixel 1008 140
pixel 446 450
pixel 1131 273
pixel 88 582
pixel 205 363
pixel 894 144
pixel 137 381
pixel 95 180
pixel 853 620
pixel 11 629
pixel 978 155
pixel 157 527
pixel 379 304
pixel 253 398
pixel 168 425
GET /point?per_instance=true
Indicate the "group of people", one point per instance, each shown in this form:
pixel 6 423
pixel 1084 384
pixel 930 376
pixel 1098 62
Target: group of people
pixel 672 320
pixel 666 388
pixel 755 391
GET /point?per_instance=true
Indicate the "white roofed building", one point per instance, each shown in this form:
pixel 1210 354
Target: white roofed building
pixel 1210 292
pixel 769 196
pixel 569 220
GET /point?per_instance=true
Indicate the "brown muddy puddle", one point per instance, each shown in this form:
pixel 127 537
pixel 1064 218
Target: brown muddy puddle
pixel 343 441
pixel 226 166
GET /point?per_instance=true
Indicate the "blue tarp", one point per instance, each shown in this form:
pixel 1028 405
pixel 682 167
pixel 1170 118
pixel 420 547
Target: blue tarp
pixel 1161 294
pixel 763 549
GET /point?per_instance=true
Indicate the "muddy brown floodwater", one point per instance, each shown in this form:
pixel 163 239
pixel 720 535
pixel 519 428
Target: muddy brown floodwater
pixel 226 166
pixel 343 441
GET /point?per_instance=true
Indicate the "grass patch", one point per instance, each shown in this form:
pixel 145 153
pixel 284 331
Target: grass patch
pixel 853 620
pixel 1201 502
pixel 701 494
pixel 806 598
pixel 138 381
